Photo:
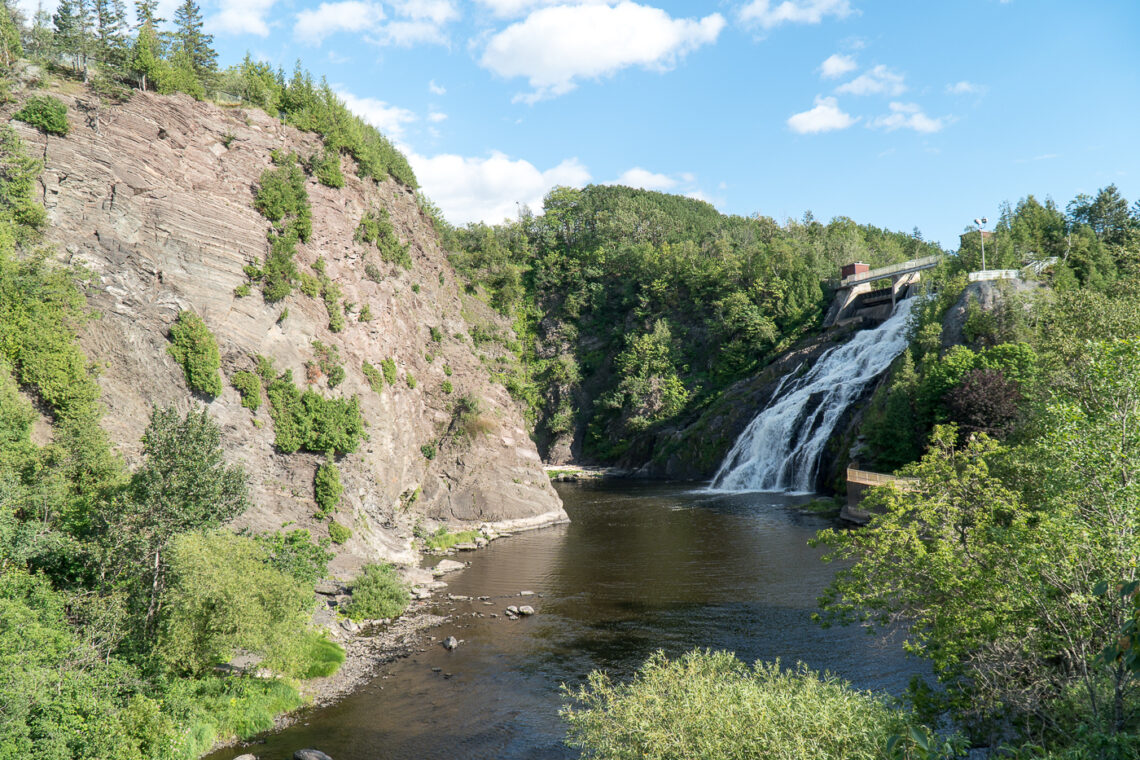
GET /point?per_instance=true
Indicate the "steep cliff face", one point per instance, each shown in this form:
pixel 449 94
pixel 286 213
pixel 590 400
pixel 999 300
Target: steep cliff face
pixel 155 197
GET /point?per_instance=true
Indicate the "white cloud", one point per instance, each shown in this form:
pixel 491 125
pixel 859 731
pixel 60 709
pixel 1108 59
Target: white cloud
pixel 555 46
pixel 436 89
pixel 314 24
pixel 825 117
pixel 515 8
pixel 387 118
pixel 418 21
pixel 836 66
pixel 471 189
pixel 646 180
pixel 966 88
pixel 879 80
pixel 241 17
pixel 438 12
pixel 408 33
pixel 766 15
pixel 337 58
pixel 435 117
pixel 907 116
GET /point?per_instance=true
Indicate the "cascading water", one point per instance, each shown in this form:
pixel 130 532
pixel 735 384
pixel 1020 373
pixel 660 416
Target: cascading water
pixel 780 448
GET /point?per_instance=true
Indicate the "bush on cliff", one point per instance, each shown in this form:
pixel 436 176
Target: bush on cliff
pixel 193 346
pixel 46 114
pixel 378 593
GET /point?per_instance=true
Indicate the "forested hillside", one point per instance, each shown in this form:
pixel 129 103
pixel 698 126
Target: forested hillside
pixel 634 308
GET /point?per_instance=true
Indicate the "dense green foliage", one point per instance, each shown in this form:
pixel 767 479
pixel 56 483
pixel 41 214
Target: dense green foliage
pixel 223 594
pixel 378 593
pixel 282 199
pixel 115 586
pixel 327 488
pixel 306 420
pixel 376 229
pixel 45 113
pixel 648 305
pixel 325 167
pixel 710 706
pixel 193 346
pixel 248 385
pixel 443 539
pixel 338 533
pixel 1004 561
pixel 374 377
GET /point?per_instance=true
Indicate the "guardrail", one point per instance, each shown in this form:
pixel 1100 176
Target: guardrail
pixel 995 274
pixel 905 267
pixel 868 478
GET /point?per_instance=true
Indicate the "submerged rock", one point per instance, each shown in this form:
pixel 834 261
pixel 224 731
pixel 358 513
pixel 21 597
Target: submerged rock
pixel 310 754
pixel 450 643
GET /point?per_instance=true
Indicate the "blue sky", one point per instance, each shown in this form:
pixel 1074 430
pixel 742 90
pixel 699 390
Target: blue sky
pixel 900 114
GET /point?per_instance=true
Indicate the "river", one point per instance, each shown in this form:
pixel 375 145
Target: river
pixel 640 567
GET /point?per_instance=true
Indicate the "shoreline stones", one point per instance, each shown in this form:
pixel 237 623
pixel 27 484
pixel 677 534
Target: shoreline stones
pixel 310 754
pixel 450 643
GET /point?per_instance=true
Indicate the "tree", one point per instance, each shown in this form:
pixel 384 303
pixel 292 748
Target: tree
pixel 1107 213
pixel 73 24
pixel 192 42
pixel 183 485
pixel 223 596
pixel 111 33
pixel 145 60
pixel 10 48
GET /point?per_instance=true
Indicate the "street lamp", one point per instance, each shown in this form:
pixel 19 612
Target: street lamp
pixel 982 237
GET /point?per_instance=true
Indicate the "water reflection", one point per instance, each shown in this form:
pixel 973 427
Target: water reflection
pixel 641 567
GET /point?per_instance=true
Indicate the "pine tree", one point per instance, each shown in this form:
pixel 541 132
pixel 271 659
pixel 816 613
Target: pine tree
pixel 146 11
pixel 10 48
pixel 146 56
pixel 73 25
pixel 111 32
pixel 196 45
pixel 42 38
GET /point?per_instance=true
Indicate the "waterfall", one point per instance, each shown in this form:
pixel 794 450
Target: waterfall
pixel 780 448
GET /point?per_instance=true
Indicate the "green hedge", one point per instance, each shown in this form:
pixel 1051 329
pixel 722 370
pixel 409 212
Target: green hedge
pixel 193 346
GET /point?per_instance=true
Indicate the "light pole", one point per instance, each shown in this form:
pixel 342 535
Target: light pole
pixel 982 237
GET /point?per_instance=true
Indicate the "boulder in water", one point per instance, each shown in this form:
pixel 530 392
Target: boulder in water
pixel 310 754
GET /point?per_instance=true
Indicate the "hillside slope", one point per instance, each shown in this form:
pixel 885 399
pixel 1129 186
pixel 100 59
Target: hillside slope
pixel 155 197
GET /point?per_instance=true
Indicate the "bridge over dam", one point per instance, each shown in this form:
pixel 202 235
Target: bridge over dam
pixel 857 298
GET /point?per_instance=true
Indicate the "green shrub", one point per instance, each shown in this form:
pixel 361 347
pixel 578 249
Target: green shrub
pixel 310 422
pixel 365 313
pixel 378 593
pixel 213 708
pixel 428 450
pixel 243 290
pixel 223 595
pixel 339 533
pixel 265 369
pixel 447 370
pixel 296 554
pixel 19 207
pixel 709 705
pixel 376 228
pixel 373 376
pixel 436 335
pixel 415 287
pixel 372 272
pixel 325 167
pixel 310 285
pixel 193 346
pixel 410 379
pixel 46 113
pixel 443 539
pixel 248 385
pixel 327 488
pixel 282 199
pixel 389 367
pixel 328 359
pixel 446 386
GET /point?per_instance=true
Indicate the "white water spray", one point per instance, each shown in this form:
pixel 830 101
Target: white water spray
pixel 781 447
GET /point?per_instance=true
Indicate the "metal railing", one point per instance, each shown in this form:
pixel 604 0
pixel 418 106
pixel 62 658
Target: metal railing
pixel 905 267
pixel 995 274
pixel 868 478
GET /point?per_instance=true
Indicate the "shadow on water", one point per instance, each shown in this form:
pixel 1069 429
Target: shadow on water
pixel 641 567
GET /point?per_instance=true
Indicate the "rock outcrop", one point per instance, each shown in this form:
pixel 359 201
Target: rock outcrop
pixel 155 197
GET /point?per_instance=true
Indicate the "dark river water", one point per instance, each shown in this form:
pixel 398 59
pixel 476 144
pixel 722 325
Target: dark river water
pixel 641 567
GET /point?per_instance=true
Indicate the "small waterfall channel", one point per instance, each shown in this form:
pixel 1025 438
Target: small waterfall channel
pixel 781 447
